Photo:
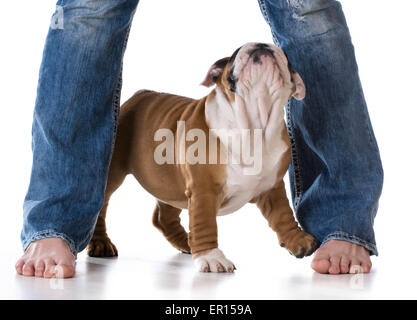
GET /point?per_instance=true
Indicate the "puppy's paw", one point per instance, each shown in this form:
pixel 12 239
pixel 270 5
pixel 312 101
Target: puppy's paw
pixel 101 248
pixel 301 244
pixel 213 260
pixel 181 243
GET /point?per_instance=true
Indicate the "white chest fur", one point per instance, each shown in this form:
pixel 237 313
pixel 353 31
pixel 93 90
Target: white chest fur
pixel 242 187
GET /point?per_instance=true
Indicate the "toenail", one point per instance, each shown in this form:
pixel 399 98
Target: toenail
pixel 355 269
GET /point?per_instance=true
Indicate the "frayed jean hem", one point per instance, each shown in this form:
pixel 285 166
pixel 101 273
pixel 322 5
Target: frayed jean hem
pixel 51 234
pixel 339 235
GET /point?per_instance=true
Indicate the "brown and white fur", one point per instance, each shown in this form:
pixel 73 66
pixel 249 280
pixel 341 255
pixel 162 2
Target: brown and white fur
pixel 251 88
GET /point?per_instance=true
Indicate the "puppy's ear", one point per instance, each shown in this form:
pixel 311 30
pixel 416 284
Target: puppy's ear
pixel 215 72
pixel 299 91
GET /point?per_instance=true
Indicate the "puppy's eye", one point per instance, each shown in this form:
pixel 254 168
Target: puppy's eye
pixel 232 81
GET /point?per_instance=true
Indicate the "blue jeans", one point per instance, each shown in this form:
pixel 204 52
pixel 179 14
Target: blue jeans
pixel 336 173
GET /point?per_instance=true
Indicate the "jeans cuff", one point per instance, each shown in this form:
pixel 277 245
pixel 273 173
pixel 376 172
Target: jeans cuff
pixel 51 234
pixel 339 235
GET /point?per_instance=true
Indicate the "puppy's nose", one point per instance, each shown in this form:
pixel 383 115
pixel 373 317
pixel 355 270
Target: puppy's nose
pixel 261 46
pixel 259 50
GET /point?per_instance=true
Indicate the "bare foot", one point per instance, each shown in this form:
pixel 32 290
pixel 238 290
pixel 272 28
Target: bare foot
pixel 47 258
pixel 337 256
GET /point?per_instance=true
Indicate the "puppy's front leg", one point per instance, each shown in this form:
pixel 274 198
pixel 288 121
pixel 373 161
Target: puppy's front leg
pixel 202 208
pixel 275 208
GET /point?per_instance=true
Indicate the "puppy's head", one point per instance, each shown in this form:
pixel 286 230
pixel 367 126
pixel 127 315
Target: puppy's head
pixel 256 73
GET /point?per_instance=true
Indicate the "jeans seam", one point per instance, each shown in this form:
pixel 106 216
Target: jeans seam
pixel 51 233
pixel 371 135
pixel 298 183
pixel 117 92
pixel 340 235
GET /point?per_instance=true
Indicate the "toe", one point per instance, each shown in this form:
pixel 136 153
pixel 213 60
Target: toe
pixel 355 266
pixel 28 269
pixel 321 264
pixel 205 267
pixel 344 264
pixel 19 266
pixel 213 265
pixel 64 271
pixel 202 265
pixel 228 265
pixel 219 267
pixel 111 250
pixel 334 265
pixel 98 249
pixel 39 268
pixel 366 266
pixel 49 269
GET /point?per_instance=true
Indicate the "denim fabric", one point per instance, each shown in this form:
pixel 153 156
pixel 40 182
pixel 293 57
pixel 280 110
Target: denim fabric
pixel 75 118
pixel 336 173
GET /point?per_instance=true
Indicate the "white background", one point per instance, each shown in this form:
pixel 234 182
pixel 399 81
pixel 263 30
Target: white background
pixel 172 45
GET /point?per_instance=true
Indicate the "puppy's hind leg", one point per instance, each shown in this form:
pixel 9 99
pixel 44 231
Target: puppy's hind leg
pixel 100 244
pixel 166 219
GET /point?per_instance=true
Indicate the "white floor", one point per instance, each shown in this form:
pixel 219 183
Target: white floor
pixel 149 268
pixel 160 276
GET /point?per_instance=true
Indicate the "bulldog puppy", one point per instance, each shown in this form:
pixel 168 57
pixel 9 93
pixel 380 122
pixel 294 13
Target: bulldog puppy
pixel 176 148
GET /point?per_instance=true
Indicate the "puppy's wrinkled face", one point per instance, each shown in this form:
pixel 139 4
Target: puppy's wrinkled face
pixel 256 69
